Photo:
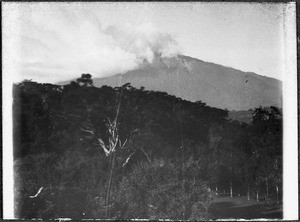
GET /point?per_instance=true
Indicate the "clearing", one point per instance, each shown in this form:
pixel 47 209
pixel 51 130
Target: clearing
pixel 226 207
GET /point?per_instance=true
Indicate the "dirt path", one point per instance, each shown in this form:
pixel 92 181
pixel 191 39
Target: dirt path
pixel 239 207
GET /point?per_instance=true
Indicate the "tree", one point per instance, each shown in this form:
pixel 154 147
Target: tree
pixel 155 190
pixel 85 80
pixel 266 143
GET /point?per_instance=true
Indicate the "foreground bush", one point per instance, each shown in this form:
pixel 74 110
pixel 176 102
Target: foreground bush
pixel 160 190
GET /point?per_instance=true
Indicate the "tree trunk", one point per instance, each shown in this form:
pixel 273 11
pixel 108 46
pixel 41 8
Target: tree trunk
pixel 230 182
pixel 248 193
pixel 256 196
pixel 109 187
pixel 267 188
pixel 277 195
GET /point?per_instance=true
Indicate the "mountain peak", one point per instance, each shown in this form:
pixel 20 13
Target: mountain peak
pixel 192 79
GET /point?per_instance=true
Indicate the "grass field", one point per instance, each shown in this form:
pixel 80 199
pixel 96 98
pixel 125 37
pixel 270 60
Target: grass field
pixel 226 207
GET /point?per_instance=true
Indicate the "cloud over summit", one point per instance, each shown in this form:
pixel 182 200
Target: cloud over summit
pixel 145 40
pixel 60 45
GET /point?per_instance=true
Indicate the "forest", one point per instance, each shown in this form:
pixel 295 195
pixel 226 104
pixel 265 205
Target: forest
pixel 123 153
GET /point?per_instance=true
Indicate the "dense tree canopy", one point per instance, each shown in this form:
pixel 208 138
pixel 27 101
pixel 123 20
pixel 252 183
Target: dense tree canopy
pixel 89 149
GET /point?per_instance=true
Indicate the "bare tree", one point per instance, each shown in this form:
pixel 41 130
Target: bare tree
pixel 110 148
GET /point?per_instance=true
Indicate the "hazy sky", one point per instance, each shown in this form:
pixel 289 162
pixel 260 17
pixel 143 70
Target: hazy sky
pixel 50 42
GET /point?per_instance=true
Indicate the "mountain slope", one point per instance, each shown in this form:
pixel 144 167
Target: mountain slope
pixel 193 80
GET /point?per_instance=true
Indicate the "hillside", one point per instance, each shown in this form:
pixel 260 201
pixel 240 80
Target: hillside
pixel 126 147
pixel 194 80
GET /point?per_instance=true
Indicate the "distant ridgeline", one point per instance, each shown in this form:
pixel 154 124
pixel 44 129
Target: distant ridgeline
pixel 43 113
pixel 69 135
pixel 193 80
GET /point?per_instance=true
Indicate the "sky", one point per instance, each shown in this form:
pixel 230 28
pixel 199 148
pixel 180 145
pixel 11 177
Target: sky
pixel 52 42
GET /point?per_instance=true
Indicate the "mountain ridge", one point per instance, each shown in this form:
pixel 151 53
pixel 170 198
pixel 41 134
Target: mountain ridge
pixel 194 79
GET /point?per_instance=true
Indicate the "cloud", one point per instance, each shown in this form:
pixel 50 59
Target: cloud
pixel 59 45
pixel 145 40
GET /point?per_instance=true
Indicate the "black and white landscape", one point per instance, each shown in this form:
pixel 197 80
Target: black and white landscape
pixel 120 120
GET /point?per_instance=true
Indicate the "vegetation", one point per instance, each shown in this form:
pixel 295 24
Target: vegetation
pixel 130 153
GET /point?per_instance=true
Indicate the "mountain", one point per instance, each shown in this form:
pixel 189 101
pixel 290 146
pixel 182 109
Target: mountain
pixel 244 116
pixel 193 79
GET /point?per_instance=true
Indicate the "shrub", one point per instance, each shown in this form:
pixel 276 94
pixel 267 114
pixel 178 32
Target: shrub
pixel 160 190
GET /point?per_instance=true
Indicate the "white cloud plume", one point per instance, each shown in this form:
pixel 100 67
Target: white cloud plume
pixel 60 45
pixel 145 40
